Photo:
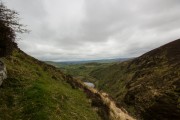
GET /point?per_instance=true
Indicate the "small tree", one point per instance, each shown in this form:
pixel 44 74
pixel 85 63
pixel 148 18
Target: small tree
pixel 9 27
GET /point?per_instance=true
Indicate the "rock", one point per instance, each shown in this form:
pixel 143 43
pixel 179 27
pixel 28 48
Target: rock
pixel 3 72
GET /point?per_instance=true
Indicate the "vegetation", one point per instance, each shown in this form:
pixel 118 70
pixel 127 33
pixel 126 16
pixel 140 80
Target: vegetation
pixel 37 91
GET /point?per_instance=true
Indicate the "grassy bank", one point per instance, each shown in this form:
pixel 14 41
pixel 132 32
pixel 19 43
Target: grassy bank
pixel 37 91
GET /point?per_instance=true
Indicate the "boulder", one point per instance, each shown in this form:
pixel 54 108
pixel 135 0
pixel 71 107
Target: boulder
pixel 3 72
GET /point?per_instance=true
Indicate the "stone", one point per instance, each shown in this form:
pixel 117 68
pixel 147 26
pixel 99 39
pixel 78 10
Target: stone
pixel 3 72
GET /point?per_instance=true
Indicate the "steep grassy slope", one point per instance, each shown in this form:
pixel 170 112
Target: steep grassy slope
pixel 148 86
pixel 36 91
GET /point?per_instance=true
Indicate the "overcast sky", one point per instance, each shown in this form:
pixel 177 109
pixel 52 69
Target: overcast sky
pixel 66 30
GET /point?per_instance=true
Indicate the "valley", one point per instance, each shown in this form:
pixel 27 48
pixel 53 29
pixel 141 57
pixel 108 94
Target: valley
pixel 81 70
pixel 88 60
pixel 36 90
pixel 147 86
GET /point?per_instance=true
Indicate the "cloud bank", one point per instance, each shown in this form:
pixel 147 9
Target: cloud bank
pixel 66 30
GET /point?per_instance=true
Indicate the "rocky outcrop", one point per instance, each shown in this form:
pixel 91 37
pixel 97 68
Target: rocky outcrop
pixel 3 72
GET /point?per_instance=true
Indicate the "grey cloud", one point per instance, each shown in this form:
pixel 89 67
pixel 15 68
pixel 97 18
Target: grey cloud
pixel 29 10
pixel 95 29
pixel 159 6
pixel 105 18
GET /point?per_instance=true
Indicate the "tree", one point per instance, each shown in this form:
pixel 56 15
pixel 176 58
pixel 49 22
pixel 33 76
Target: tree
pixel 9 27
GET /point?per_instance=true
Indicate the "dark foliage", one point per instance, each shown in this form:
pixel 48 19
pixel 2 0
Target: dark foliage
pixel 9 26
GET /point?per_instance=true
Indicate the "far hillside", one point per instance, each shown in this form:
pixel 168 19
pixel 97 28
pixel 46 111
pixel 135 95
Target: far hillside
pixel 82 69
pixel 148 86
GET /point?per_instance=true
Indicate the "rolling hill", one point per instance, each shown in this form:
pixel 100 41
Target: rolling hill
pixel 80 71
pixel 147 86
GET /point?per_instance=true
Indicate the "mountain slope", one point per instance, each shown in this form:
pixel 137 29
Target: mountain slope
pixel 37 91
pixel 148 86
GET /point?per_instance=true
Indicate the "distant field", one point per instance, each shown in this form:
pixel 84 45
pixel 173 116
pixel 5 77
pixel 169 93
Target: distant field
pixel 81 71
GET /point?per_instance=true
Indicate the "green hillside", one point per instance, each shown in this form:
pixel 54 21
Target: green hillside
pixel 80 71
pixel 37 91
pixel 148 86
